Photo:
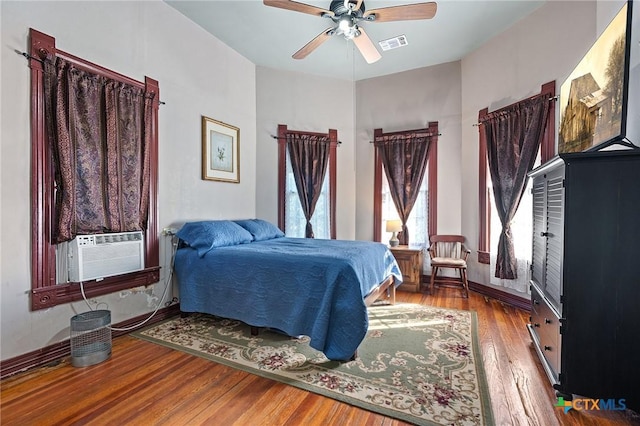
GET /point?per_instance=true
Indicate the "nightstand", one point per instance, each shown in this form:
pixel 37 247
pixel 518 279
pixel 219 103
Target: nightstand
pixel 410 262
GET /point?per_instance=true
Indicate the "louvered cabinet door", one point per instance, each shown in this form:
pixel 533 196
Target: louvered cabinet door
pixel 554 236
pixel 548 220
pixel 539 248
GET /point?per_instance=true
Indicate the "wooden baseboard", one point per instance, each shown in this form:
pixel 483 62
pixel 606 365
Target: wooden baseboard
pixel 57 351
pixel 503 296
pixel 494 293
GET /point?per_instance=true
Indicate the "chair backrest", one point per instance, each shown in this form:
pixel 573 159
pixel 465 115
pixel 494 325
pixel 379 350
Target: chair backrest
pixel 447 246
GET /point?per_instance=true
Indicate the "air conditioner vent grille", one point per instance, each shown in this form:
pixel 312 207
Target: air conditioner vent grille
pixel 104 255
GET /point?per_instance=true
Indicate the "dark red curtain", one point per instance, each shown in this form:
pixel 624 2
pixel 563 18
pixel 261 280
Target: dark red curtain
pixel 309 156
pixel 513 137
pixel 404 157
pixel 97 127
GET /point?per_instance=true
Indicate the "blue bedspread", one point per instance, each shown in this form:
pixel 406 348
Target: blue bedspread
pixel 297 285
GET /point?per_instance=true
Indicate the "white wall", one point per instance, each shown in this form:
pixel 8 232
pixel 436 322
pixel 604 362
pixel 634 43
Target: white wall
pixel 309 103
pixel 198 75
pixel 404 101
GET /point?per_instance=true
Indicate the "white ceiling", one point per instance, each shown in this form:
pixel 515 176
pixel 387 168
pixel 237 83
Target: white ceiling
pixel 268 36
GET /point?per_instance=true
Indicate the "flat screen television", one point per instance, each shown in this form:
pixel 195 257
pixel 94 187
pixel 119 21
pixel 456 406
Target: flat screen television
pixel 594 98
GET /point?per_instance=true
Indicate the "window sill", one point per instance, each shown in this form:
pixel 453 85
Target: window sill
pixel 484 257
pixel 47 297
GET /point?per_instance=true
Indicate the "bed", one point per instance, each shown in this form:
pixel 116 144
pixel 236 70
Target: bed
pixel 249 271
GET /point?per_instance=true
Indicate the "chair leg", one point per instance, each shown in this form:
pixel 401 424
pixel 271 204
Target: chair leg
pixel 434 271
pixel 465 283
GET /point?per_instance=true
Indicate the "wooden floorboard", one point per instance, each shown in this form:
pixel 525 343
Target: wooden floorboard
pixel 147 384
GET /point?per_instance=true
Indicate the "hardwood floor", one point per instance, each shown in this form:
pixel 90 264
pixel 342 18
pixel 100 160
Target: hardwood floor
pixel 147 384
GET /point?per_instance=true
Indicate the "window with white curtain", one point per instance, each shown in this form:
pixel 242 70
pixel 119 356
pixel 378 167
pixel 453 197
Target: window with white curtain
pixel 418 223
pixel 521 229
pixel 295 221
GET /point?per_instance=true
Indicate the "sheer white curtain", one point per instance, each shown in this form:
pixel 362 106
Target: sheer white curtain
pixel 295 221
pixel 418 219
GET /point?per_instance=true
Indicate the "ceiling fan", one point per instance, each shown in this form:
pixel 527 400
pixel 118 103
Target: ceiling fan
pixel 346 14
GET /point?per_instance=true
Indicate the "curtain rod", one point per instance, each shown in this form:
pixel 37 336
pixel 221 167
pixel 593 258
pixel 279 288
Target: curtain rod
pixel 429 135
pixel 554 98
pixel 26 55
pixel 276 137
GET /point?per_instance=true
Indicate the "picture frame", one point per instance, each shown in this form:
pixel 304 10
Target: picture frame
pixel 594 98
pixel 220 151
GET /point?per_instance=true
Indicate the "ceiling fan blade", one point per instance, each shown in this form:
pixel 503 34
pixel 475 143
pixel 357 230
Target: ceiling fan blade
pixel 298 7
pixel 406 12
pixel 313 44
pixel 366 47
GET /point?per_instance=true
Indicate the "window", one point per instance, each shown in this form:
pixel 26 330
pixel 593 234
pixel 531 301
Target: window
pixel 418 219
pixel 291 218
pixel 521 224
pixel 294 220
pixel 44 290
pixel 422 221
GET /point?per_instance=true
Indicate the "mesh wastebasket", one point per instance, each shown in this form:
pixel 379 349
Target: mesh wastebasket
pixel 90 338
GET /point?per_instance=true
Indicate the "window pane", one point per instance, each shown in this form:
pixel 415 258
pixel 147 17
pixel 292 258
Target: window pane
pixel 418 219
pixel 295 221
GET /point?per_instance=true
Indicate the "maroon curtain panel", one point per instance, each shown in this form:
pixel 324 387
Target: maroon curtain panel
pixel 404 158
pixel 513 137
pixel 309 156
pixel 101 151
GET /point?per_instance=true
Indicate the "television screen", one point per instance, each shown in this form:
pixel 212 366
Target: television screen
pixel 593 99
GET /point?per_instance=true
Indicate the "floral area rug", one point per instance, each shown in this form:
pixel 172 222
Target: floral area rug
pixel 419 364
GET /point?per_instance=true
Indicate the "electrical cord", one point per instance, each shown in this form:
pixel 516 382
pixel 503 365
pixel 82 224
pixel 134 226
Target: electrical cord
pixel 174 244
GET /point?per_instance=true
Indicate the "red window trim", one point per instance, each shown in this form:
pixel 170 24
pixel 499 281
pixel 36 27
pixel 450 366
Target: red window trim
pixel 432 171
pixel 45 292
pixel 282 169
pixel 547 151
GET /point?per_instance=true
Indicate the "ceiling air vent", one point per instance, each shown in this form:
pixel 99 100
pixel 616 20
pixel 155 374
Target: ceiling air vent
pixel 393 43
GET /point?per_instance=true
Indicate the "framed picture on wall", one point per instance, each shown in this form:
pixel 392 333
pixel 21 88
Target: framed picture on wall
pixel 593 99
pixel 220 151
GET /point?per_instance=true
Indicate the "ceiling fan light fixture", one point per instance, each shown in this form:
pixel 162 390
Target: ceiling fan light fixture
pixel 345 23
pixel 348 27
pixel 352 33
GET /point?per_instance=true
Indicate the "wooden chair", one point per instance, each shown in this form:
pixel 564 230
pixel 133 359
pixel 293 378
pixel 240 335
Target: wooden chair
pixel 448 251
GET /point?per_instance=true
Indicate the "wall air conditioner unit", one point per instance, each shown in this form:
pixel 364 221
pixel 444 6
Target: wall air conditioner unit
pixel 103 255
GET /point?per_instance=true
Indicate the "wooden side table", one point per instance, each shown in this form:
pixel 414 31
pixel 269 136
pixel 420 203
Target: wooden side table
pixel 410 262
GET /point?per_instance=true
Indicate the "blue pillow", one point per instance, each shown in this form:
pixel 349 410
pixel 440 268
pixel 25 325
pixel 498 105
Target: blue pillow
pixel 209 234
pixel 260 229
